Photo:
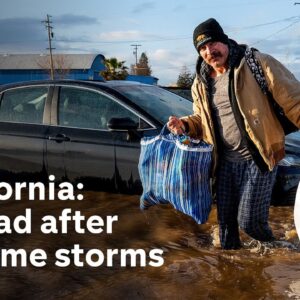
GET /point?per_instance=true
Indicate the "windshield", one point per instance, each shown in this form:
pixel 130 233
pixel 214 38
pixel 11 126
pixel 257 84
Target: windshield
pixel 156 101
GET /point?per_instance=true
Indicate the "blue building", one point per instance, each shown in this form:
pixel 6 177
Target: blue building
pixel 143 79
pixel 23 67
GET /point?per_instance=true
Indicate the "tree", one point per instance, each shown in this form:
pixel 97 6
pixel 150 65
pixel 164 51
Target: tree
pixel 185 78
pixel 142 68
pixel 60 63
pixel 115 70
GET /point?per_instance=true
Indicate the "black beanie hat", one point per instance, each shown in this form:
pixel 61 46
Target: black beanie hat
pixel 210 30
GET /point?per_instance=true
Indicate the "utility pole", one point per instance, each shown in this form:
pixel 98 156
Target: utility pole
pixel 135 53
pixel 47 23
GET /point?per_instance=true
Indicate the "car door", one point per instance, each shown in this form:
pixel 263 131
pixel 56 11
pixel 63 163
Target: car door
pixel 92 154
pixel 23 129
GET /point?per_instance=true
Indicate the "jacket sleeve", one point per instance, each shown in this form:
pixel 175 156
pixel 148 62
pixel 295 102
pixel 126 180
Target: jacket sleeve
pixel 283 85
pixel 194 121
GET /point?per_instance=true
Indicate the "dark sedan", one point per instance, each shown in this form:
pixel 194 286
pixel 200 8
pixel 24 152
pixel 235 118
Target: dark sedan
pixel 81 131
pixel 90 132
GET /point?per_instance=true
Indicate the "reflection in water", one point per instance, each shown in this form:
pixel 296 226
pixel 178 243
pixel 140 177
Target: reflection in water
pixel 194 266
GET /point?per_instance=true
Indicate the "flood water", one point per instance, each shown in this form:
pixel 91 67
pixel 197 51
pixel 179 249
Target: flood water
pixel 194 266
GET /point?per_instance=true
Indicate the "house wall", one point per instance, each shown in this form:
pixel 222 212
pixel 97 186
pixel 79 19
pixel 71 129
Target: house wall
pixel 9 76
pixel 17 75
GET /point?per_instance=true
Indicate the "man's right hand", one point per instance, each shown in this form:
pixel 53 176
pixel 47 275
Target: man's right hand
pixel 175 125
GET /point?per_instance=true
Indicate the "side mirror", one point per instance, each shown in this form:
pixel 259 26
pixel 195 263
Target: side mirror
pixel 125 124
pixel 121 124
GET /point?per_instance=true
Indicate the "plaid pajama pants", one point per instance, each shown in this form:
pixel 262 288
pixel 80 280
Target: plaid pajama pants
pixel 243 200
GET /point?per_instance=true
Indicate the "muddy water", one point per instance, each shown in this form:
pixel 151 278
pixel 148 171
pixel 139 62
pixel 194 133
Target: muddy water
pixel 194 266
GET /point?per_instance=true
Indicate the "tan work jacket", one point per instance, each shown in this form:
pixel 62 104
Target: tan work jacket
pixel 259 119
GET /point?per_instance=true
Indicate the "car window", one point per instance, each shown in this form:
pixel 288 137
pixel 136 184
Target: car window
pixel 23 105
pixel 88 109
pixel 156 101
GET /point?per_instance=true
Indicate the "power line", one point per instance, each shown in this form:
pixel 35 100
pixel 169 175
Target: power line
pixel 280 30
pixel 266 24
pixel 163 39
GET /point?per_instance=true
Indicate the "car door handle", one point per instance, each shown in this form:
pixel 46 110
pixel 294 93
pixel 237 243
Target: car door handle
pixel 59 138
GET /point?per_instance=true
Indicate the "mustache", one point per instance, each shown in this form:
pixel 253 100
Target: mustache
pixel 215 54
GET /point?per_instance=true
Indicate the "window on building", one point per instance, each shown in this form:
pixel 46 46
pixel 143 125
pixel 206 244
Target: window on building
pixel 24 105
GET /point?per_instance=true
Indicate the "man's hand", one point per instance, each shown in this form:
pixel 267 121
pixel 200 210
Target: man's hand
pixel 175 125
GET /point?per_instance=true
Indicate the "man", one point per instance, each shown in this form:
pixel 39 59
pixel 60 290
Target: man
pixel 232 113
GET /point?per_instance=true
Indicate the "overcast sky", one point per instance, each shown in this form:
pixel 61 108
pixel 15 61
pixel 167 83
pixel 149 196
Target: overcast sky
pixel 163 28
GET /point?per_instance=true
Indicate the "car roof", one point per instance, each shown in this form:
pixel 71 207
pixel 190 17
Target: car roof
pixel 112 83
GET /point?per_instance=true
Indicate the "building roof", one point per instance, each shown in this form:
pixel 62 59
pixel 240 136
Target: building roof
pixel 40 61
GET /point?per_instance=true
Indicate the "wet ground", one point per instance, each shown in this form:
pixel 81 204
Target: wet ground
pixel 194 266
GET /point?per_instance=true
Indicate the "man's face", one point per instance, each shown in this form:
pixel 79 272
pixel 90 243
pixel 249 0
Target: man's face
pixel 215 54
